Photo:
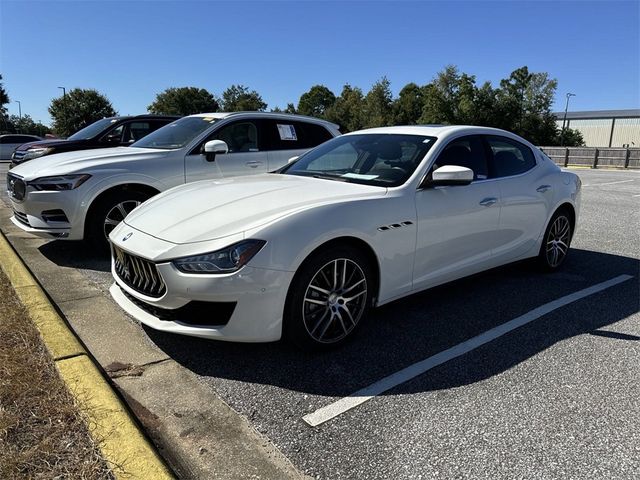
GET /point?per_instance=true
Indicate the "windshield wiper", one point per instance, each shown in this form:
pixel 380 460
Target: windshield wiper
pixel 330 177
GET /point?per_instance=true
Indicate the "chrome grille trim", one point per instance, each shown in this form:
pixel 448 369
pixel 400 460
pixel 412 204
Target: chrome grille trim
pixel 138 273
pixel 18 154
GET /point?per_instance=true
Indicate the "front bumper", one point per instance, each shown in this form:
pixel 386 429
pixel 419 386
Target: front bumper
pixel 30 214
pixel 258 294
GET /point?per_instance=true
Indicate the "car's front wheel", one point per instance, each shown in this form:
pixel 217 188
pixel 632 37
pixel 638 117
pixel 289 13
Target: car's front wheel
pixel 107 213
pixel 328 299
pixel 557 239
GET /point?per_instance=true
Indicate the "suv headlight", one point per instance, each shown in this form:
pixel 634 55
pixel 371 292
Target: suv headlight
pixel 229 259
pixel 58 183
pixel 35 153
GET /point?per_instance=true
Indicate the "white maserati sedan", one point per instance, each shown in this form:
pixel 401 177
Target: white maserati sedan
pixel 85 194
pixel 357 222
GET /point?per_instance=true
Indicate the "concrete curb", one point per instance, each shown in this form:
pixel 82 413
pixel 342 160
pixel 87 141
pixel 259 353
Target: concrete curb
pixel 123 444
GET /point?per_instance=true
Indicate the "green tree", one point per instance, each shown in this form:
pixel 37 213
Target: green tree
pixel 77 109
pixel 184 101
pixel 238 98
pixel 407 108
pixel 571 138
pixel 348 109
pixel 378 104
pixel 4 100
pixel 27 125
pixel 524 103
pixel 316 101
pixel 450 98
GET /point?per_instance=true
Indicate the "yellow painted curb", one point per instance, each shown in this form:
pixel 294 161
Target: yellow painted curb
pixel 121 442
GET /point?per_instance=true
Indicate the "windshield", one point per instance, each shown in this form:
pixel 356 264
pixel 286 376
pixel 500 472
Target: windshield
pixel 177 134
pixel 93 130
pixel 386 160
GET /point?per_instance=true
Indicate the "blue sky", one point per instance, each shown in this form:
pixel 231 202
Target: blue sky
pixel 130 51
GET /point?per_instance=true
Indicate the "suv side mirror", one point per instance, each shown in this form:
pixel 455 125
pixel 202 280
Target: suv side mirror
pixel 449 175
pixel 214 147
pixel 293 159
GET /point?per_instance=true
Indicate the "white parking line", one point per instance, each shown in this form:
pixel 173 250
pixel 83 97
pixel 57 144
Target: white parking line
pixel 361 396
pixel 608 183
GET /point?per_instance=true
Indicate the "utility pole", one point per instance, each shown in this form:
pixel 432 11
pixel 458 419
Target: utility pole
pixel 19 108
pixel 564 119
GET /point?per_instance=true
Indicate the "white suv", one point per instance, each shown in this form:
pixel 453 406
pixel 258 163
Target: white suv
pixel 85 194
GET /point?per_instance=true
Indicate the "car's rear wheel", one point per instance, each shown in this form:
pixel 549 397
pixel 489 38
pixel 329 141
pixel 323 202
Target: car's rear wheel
pixel 556 242
pixel 328 298
pixel 108 213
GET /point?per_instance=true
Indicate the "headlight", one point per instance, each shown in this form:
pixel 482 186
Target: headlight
pixel 35 153
pixel 62 182
pixel 226 260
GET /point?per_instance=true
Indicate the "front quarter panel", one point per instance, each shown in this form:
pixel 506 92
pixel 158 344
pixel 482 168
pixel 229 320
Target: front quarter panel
pixel 292 239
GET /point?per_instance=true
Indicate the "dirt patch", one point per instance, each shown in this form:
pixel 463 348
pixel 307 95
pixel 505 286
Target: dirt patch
pixel 42 431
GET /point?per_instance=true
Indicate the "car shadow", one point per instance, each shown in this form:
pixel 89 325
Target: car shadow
pixel 75 254
pixel 414 328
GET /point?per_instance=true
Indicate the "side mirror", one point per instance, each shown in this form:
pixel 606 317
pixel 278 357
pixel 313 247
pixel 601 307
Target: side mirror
pixel 214 147
pixel 293 159
pixel 450 175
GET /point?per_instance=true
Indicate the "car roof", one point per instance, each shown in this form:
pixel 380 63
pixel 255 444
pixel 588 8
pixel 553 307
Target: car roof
pixel 289 116
pixel 435 130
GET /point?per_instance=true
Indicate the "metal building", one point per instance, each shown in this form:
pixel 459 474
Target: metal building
pixel 605 128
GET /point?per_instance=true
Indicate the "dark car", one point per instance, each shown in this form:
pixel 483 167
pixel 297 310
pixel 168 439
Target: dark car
pixel 108 132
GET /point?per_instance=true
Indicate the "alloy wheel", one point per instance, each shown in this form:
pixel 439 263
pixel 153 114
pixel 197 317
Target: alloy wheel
pixel 334 301
pixel 117 214
pixel 558 241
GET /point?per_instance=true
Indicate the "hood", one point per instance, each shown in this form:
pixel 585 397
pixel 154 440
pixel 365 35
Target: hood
pixel 212 209
pixel 83 161
pixel 56 142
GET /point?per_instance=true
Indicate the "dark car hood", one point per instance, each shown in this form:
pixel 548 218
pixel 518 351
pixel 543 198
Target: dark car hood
pixel 52 143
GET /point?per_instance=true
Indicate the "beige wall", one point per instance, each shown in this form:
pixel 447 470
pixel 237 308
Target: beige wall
pixel 597 132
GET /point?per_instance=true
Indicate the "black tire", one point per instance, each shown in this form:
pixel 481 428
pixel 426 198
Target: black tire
pixel 96 231
pixel 556 241
pixel 323 326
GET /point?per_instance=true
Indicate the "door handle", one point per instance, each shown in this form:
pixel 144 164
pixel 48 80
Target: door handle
pixel 543 188
pixel 254 164
pixel 487 202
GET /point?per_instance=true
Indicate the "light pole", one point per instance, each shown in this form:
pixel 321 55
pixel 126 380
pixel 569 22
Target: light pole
pixel 19 108
pixel 64 92
pixel 564 119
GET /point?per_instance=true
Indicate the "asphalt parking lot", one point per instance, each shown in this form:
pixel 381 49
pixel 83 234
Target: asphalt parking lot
pixel 554 398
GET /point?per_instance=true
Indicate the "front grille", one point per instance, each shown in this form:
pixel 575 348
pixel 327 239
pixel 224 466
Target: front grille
pixel 198 314
pixel 18 155
pixel 15 186
pixel 138 273
pixel 21 217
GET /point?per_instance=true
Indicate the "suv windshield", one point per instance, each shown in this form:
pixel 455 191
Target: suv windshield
pixel 385 160
pixel 93 130
pixel 177 134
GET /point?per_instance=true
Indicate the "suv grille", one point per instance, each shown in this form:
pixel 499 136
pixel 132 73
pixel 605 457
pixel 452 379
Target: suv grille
pixel 138 273
pixel 18 155
pixel 15 186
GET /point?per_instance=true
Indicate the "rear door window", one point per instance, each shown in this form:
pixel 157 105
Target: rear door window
pixel 296 135
pixel 508 157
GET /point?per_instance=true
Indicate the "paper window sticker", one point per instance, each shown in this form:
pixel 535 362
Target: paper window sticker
pixel 287 132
